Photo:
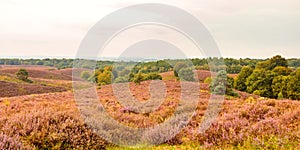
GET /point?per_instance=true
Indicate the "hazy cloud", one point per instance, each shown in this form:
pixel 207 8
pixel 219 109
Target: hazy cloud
pixel 248 28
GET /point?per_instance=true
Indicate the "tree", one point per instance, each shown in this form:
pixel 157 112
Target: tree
pixel 186 74
pixel 284 71
pixel 272 63
pixel 241 79
pixel 178 67
pixel 222 84
pixel 279 86
pixel 22 74
pixel 260 82
pixel 293 90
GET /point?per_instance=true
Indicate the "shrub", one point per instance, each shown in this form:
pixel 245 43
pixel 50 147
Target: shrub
pixel 138 78
pixel 153 76
pixel 280 95
pixel 7 142
pixel 85 75
pixel 22 74
pixel 104 78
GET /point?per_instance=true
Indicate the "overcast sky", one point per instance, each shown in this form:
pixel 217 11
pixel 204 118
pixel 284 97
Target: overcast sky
pixel 241 28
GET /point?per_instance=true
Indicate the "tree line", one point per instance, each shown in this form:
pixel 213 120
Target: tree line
pixel 232 66
pixel 271 78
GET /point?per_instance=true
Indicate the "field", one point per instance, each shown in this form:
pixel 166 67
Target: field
pixel 44 115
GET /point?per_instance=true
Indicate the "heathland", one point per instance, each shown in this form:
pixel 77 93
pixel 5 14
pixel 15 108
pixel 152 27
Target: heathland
pixel 261 108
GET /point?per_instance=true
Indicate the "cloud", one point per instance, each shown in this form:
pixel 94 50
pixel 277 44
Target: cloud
pixel 242 28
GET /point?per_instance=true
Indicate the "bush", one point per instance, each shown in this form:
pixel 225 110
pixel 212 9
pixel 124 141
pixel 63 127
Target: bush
pixel 22 74
pixel 153 76
pixel 85 75
pixel 280 95
pixel 138 78
pixel 104 78
pixel 7 142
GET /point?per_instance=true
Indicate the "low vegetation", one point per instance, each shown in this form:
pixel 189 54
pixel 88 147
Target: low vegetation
pixel 260 110
pixel 22 74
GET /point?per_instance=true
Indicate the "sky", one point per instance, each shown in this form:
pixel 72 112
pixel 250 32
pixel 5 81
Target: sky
pixel 241 28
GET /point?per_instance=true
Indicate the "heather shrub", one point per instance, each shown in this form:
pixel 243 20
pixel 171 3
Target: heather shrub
pixel 7 142
pixel 48 128
pixel 257 125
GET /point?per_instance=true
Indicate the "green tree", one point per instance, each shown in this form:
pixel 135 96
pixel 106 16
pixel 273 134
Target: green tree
pixel 222 84
pixel 293 90
pixel 241 79
pixel 272 63
pixel 178 67
pixel 284 71
pixel 186 74
pixel 279 86
pixel 260 81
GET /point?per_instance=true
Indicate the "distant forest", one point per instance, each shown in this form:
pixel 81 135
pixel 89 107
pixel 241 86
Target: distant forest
pixel 233 66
